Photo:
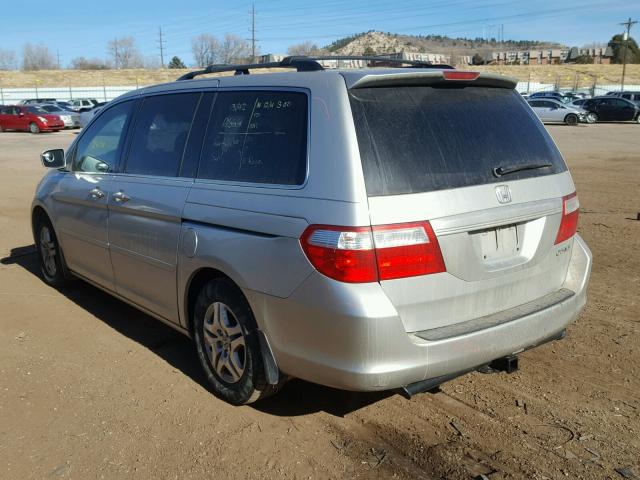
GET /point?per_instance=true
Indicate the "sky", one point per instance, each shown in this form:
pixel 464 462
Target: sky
pixel 83 28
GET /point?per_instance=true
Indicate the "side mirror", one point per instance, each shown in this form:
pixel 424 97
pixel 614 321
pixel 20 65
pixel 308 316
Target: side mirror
pixel 53 158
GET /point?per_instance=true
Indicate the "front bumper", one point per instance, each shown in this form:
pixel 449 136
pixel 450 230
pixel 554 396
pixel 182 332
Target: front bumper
pixel 51 127
pixel 349 336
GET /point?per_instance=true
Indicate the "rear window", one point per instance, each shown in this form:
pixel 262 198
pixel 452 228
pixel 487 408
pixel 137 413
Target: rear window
pixel 257 137
pixel 421 139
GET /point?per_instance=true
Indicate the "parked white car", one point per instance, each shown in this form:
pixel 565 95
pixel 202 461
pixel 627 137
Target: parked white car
pixel 553 111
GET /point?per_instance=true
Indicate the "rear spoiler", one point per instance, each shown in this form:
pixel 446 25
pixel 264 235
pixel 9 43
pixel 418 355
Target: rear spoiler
pixel 429 78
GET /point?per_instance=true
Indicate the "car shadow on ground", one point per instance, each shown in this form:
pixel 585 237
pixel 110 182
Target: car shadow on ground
pixel 296 398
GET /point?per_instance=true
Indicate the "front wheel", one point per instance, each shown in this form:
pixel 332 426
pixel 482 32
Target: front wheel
pixel 592 118
pixel 52 264
pixel 571 119
pixel 227 344
pixel 34 128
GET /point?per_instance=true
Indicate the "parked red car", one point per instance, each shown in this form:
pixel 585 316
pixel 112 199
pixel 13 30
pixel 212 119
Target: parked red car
pixel 29 119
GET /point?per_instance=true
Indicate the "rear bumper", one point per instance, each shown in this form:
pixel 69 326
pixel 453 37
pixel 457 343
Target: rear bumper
pixel 350 336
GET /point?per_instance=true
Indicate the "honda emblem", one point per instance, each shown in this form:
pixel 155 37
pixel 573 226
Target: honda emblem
pixel 503 193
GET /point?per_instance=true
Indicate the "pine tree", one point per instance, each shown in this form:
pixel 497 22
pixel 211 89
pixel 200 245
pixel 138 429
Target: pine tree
pixel 176 63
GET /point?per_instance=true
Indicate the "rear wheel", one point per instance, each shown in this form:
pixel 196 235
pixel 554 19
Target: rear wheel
pixel 592 118
pixel 227 344
pixel 571 119
pixel 34 128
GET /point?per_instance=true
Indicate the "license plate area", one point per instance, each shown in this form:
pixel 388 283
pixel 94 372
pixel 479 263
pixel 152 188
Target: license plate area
pixel 498 243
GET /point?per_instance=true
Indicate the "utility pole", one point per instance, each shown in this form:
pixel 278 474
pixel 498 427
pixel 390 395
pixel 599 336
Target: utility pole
pixel 115 56
pixel 161 43
pixel 58 55
pixel 253 32
pixel 629 23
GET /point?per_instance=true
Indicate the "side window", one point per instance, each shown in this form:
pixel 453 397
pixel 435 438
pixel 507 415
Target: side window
pixel 161 132
pixel 97 150
pixel 257 137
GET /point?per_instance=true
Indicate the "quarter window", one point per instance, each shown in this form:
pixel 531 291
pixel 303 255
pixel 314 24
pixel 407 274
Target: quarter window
pixel 257 137
pixel 161 132
pixel 100 145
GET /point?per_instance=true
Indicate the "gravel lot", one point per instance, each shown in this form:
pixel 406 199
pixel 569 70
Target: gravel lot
pixel 91 388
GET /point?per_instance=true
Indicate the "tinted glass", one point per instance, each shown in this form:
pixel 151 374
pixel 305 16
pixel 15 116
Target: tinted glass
pixel 160 134
pixel 36 110
pixel 419 139
pixel 98 148
pixel 257 137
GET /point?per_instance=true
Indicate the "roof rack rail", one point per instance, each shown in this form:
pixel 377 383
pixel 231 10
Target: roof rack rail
pixel 304 64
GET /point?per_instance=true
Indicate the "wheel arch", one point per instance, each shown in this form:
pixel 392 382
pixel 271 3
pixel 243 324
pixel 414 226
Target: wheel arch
pixel 196 281
pixel 38 212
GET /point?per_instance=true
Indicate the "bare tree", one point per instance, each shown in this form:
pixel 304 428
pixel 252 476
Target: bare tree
pixel 234 49
pixel 37 57
pixel 305 48
pixel 82 63
pixel 205 49
pixel 8 60
pixel 124 53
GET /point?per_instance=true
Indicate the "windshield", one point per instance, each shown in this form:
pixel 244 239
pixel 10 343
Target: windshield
pixel 36 110
pixel 419 139
pixel 51 108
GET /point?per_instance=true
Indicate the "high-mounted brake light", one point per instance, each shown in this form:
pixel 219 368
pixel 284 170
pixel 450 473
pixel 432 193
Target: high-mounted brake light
pixel 569 222
pixel 458 75
pixel 365 254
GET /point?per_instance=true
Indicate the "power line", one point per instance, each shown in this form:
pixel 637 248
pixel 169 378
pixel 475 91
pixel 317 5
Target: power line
pixel 629 23
pixel 161 43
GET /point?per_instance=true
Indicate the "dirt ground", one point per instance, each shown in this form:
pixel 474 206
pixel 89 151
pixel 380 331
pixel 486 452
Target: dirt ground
pixel 91 388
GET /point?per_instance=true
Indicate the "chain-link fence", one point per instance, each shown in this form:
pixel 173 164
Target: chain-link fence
pixel 564 83
pixel 578 83
pixel 9 96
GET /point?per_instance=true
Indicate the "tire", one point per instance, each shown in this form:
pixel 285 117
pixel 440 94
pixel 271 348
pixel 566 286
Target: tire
pixel 52 265
pixel 637 120
pixel 227 344
pixel 591 118
pixel 34 128
pixel 571 119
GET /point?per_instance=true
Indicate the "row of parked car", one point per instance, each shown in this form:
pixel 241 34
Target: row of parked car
pixel 48 114
pixel 572 108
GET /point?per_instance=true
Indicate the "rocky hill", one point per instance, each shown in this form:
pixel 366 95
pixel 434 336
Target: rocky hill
pixel 373 42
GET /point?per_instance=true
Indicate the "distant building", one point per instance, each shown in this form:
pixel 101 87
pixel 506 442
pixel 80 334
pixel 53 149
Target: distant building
pixel 600 55
pixel 550 56
pixel 418 57
pixel 270 57
pixel 346 64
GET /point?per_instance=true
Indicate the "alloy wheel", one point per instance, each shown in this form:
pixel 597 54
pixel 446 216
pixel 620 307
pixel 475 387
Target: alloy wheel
pixel 225 342
pixel 48 252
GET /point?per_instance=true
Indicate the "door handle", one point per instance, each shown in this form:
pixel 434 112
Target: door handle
pixel 121 197
pixel 96 193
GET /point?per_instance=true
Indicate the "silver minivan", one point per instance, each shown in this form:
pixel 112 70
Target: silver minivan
pixel 370 229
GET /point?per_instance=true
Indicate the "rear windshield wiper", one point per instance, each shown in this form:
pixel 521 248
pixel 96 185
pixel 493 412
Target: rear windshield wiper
pixel 507 169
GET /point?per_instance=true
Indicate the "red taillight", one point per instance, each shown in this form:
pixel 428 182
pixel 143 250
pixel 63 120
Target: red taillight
pixel 365 254
pixel 458 75
pixel 569 222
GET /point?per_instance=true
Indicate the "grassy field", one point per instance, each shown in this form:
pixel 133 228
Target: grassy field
pixel 565 75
